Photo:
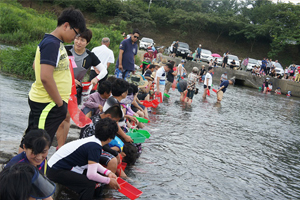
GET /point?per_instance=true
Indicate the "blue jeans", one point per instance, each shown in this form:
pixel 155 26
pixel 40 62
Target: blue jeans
pixel 86 110
pixel 126 74
pixel 122 74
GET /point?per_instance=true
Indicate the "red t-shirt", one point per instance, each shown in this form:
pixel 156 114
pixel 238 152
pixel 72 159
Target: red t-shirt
pixel 148 55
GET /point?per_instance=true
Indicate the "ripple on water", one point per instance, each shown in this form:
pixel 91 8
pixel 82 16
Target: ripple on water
pixel 247 147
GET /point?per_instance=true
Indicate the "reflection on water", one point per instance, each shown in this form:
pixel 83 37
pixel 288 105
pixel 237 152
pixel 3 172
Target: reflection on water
pixel 247 147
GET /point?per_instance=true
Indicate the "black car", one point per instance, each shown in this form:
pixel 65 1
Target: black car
pixel 182 50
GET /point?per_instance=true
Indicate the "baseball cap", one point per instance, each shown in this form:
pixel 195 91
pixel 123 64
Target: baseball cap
pixel 42 187
pixel 195 69
pixel 225 72
pixel 183 61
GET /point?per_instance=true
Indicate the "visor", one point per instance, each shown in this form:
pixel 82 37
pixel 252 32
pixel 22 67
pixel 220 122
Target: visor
pixel 42 187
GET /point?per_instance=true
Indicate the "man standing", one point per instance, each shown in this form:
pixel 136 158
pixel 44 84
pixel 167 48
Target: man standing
pixel 198 56
pixel 208 81
pixel 223 77
pixel 104 54
pixel 160 77
pixel 269 65
pixel 263 66
pixel 175 47
pixel 128 49
pixel 223 87
pixel 49 94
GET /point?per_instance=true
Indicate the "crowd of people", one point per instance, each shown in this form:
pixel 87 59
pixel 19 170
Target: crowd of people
pixel 93 161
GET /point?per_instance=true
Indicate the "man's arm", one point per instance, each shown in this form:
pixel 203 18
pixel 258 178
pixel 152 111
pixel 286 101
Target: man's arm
pixel 220 88
pixel 108 65
pixel 121 59
pixel 103 72
pixel 157 84
pixel 49 83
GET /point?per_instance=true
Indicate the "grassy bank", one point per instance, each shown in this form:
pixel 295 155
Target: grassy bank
pixel 24 28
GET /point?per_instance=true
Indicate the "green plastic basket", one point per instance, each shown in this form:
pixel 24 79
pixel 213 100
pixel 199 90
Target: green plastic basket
pixel 144 133
pixel 141 119
pixel 137 137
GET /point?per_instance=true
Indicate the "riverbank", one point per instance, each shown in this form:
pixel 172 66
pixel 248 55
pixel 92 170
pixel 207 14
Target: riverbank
pixel 245 78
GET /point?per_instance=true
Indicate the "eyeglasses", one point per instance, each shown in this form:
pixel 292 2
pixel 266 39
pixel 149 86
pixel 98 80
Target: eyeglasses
pixel 136 37
pixel 77 34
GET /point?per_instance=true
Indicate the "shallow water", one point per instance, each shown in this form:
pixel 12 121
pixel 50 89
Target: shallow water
pixel 247 147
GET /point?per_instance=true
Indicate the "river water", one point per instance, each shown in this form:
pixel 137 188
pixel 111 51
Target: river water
pixel 247 147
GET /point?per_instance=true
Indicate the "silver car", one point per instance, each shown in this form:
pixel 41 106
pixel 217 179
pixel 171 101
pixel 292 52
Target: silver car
pixel 206 55
pixel 251 63
pixel 231 58
pixel 146 42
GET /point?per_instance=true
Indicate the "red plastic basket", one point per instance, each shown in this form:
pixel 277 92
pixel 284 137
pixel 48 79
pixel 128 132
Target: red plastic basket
pixel 128 190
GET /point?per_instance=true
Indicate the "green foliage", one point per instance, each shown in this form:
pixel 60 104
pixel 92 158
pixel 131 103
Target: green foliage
pixel 19 61
pixel 28 32
pixel 19 25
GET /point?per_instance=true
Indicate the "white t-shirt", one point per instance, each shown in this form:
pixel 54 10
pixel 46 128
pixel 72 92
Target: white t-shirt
pixel 161 73
pixel 209 77
pixel 104 54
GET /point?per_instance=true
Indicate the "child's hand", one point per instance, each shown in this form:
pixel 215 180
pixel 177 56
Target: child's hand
pixel 127 138
pixel 100 108
pixel 112 175
pixel 77 82
pixel 114 184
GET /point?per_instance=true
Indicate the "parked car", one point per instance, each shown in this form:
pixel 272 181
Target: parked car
pixel 260 62
pixel 252 62
pixel 235 58
pixel 278 68
pixel 183 49
pixel 205 55
pixel 218 57
pixel 146 42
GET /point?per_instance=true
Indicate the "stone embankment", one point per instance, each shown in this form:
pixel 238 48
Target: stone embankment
pixel 245 78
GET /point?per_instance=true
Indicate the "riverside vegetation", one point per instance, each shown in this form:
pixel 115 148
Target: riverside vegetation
pixel 24 28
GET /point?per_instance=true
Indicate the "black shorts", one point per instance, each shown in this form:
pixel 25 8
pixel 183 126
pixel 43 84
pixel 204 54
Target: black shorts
pixel 46 116
pixel 190 94
pixel 174 50
pixel 205 86
pixel 105 158
pixel 135 109
pixel 142 96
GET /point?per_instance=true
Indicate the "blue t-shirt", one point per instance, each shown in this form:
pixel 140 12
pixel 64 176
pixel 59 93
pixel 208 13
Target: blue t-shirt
pixel 225 84
pixel 130 50
pixel 199 50
pixel 263 63
pixel 21 158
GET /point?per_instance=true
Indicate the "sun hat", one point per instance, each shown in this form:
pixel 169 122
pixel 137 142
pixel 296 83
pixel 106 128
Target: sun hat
pixel 137 80
pixel 195 69
pixel 148 75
